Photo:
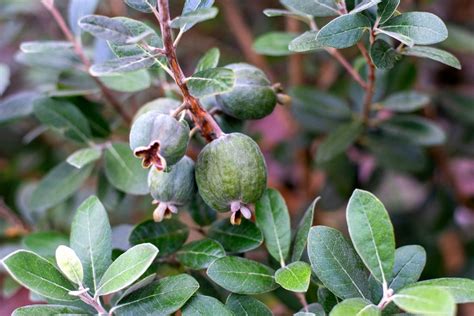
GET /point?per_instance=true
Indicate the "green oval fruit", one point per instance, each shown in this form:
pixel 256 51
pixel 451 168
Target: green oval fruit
pixel 159 139
pixel 173 188
pixel 230 174
pixel 252 96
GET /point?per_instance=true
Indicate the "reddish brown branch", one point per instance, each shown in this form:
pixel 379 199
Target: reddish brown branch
pixel 206 123
pixel 244 36
pixel 80 52
pixel 370 88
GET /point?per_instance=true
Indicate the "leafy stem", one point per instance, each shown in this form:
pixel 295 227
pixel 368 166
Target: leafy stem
pixel 206 123
pixel 370 88
pixel 49 5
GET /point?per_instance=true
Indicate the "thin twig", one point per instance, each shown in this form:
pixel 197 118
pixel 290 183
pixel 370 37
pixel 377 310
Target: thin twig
pixel 80 52
pixel 206 123
pixel 244 36
pixel 370 88
pixel 302 298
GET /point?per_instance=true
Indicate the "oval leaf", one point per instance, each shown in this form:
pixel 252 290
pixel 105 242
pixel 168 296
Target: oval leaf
pixel 124 64
pixel 294 277
pixel 84 156
pixel 38 275
pixel 461 289
pixel 69 264
pixel 159 298
pixel 338 141
pixel 91 240
pixel 436 54
pixel 313 7
pixel 141 5
pixel 209 60
pixel 372 234
pixel 201 305
pixel 200 254
pixel 236 238
pixel 60 183
pixel 273 219
pixel 17 105
pixel 126 269
pixel 386 9
pixel 406 101
pixel 168 236
pixel 355 306
pixel 273 43
pixel 42 309
pixel 336 264
pixel 425 300
pixel 124 171
pixel 211 81
pixel 105 28
pixel 246 305
pixel 301 236
pixel 243 276
pixel 344 31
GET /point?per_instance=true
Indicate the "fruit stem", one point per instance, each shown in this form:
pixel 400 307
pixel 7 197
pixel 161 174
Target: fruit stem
pixel 206 123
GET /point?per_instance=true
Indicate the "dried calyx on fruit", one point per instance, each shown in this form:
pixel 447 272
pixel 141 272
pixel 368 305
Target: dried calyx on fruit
pixel 159 139
pixel 231 174
pixel 252 97
pixel 172 188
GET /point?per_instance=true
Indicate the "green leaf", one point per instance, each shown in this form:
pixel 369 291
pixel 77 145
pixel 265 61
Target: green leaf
pixel 414 129
pixel 436 54
pixel 201 213
pixel 209 60
pixel 45 46
pixel 168 236
pixel 57 310
pixel 409 264
pixel 246 305
pixel 461 289
pixel 121 65
pixel 273 219
pixel 137 29
pixel 126 269
pixel 159 298
pixel 211 82
pixel 124 171
pixel 63 117
pixel 105 28
pixel 312 7
pixel 44 243
pixel 236 238
pixel 294 277
pixel 141 5
pixel 317 111
pixel 305 42
pixel 278 12
pixel 313 309
pixel 423 27
pixel 386 9
pixel 364 5
pixel 338 141
pixel 425 300
pixel 77 9
pixel 201 305
pixel 273 43
pixel 398 36
pixel 84 156
pixel 383 55
pixel 301 236
pixel 60 183
pixel 336 264
pixel 200 254
pixel 91 239
pixel 4 77
pixel 128 82
pixel 408 101
pixel 69 264
pixel 194 5
pixel 372 234
pixel 38 275
pixel 17 105
pixel 242 276
pixel 355 306
pixel 344 31
pixel 200 15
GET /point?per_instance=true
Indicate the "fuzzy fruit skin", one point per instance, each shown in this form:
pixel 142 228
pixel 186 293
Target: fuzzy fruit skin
pixel 172 135
pixel 231 168
pixel 177 186
pixel 252 96
pixel 162 105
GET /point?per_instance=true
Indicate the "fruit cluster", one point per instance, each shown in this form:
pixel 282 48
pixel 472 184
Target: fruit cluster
pixel 230 172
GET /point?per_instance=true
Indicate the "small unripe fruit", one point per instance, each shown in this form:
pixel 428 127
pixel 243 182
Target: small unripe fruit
pixel 173 188
pixel 162 105
pixel 252 96
pixel 159 139
pixel 230 174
